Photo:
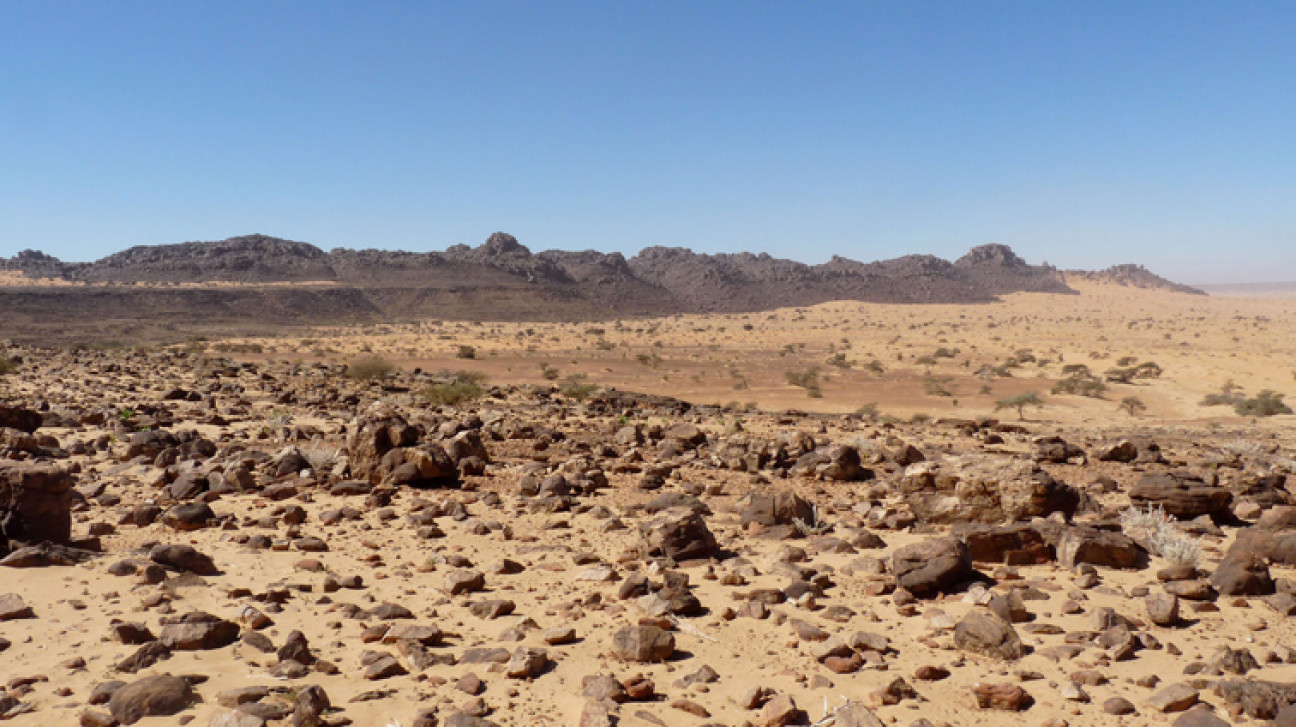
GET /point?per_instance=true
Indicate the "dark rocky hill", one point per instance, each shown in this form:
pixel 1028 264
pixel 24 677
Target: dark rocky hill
pixel 500 279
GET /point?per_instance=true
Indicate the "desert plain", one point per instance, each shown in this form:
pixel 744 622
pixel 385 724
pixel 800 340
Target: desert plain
pixel 842 514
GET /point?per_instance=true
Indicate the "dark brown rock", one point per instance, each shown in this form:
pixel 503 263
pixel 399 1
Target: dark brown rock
pixel 153 696
pixel 933 565
pixel 1181 497
pixel 35 503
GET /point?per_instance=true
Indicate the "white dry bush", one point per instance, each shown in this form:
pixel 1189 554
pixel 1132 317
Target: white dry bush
pixel 320 456
pixel 1159 531
pixel 812 528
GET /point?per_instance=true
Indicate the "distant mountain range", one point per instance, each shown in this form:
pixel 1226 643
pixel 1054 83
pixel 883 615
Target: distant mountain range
pixel 500 279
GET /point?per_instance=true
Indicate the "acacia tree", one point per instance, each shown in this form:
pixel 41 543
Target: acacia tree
pixel 1019 402
pixel 1133 405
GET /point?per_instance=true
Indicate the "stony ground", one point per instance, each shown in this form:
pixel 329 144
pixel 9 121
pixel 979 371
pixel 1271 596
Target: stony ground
pixel 190 538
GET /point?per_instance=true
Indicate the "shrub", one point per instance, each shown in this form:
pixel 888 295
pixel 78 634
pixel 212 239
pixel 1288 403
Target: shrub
pixel 550 373
pixel 937 386
pixel 1162 536
pixel 466 351
pixel 319 455
pixel 369 367
pixel 1267 403
pixel 458 387
pixel 7 365
pixel 839 360
pixel 577 387
pixel 807 379
pixel 1081 386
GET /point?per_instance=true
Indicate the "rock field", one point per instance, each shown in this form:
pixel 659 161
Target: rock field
pixel 186 539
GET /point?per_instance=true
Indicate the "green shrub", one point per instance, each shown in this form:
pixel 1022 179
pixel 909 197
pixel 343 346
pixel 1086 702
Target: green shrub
pixel 1081 386
pixel 466 351
pixel 1267 403
pixel 368 368
pixel 7 365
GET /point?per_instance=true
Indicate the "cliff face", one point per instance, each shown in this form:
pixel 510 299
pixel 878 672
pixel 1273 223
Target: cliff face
pixel 500 279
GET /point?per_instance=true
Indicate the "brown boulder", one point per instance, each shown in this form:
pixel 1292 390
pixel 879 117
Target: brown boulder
pixel 1181 496
pixel 1014 544
pixel 16 417
pixel 643 643
pixel 153 696
pixel 373 434
pixel 679 535
pixel 932 565
pixel 982 632
pixel 1242 575
pixel 1076 545
pixel 777 508
pixel 35 503
pixel 984 490
pixel 1278 546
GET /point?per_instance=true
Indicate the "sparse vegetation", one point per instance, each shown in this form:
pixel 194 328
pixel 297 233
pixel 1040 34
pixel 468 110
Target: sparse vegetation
pixel 320 456
pixel 457 388
pixel 577 387
pixel 466 351
pixel 1266 403
pixel 807 379
pixel 1156 529
pixel 7 365
pixel 1081 385
pixel 368 368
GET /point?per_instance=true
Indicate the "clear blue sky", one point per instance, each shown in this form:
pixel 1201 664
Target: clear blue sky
pixel 1080 133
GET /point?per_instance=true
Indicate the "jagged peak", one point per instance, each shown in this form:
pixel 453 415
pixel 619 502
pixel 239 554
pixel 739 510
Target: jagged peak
pixel 991 253
pixel 502 243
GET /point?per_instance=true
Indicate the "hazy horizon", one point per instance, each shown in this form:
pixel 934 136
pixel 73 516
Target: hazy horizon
pixel 1079 135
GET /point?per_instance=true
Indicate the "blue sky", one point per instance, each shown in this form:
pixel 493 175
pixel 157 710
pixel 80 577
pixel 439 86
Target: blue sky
pixel 1082 134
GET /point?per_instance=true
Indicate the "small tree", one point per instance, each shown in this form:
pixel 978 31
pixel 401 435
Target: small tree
pixel 1019 402
pixel 1133 405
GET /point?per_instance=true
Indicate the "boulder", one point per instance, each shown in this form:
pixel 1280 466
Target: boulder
pixel 1182 496
pixel 678 535
pixel 643 643
pixel 1014 544
pixel 377 431
pixel 155 696
pixel 1055 450
pixel 35 503
pixel 777 508
pixel 1242 575
pixel 17 417
pixel 198 630
pixel 984 490
pixel 1076 545
pixel 933 565
pixel 184 558
pixel 1257 541
pixel 982 632
pixel 1123 451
